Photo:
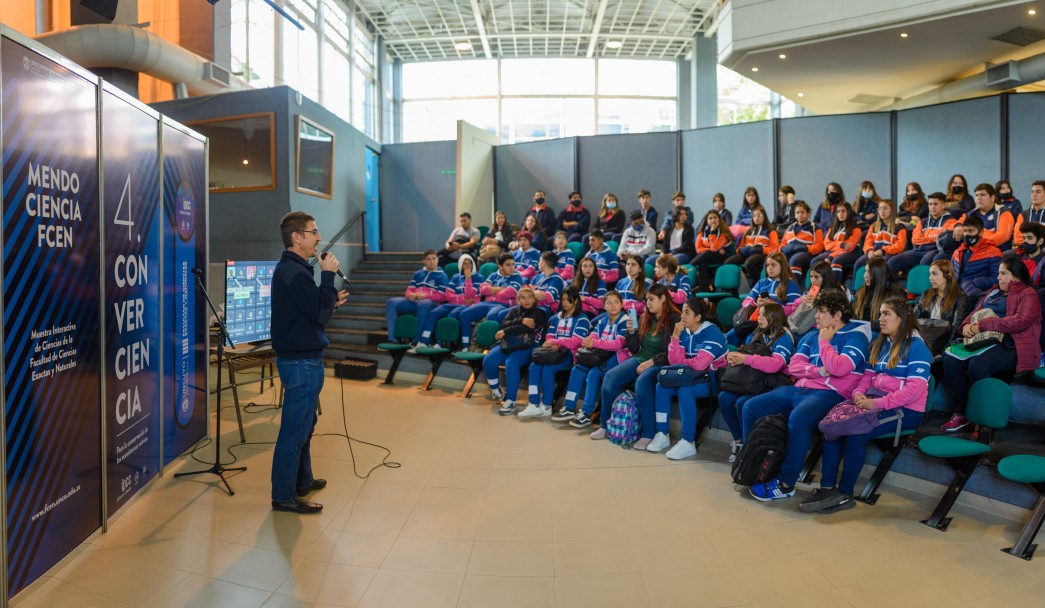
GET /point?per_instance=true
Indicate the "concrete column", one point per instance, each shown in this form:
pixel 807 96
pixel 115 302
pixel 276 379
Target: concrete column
pixel 774 104
pixel 396 136
pixel 705 81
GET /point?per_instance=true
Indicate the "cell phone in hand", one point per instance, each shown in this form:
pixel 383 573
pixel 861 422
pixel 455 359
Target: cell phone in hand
pixel 814 291
pixel 764 294
pixel 634 317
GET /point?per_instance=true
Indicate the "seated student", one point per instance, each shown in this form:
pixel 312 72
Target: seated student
pixel 885 238
pixel 1007 199
pixel 543 214
pixel 713 238
pixel 928 238
pixel 879 285
pixel 566 264
pixel 679 242
pixel 1018 312
pixel 574 219
pixel 841 242
pixel 463 291
pixel 497 239
pixel 897 376
pixel 915 206
pixel 943 302
pixel 647 209
pixel 463 239
pixel 758 241
pixel 777 286
pixel 828 365
pixel 537 234
pixel 526 257
pixel 678 201
pixel 801 237
pixel 699 344
pixel 565 331
pixel 590 286
pixel 998 222
pixel 605 259
pixel 648 345
pixel 825 213
pixel 632 288
pixel 1031 251
pixel 547 285
pixel 748 205
pixel 498 292
pixel 666 273
pixel 959 199
pixel 639 239
pixel 610 220
pixel 785 209
pixel 524 319
pixel 801 317
pixel 865 209
pixel 607 334
pixel 1035 213
pixel 718 203
pixel 772 331
pixel 975 261
pixel 424 292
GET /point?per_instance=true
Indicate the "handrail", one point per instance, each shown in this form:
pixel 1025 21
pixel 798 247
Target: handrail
pixel 348 226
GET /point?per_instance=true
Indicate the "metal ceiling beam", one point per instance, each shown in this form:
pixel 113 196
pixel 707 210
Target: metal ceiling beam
pixel 521 36
pixel 596 28
pixel 482 29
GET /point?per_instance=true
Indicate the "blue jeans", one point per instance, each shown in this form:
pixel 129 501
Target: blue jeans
pixel 906 260
pixel 591 379
pixel 472 315
pixel 542 381
pixel 513 365
pixel 804 409
pixel 688 396
pixel 645 387
pixel 426 320
pixel 302 381
pixel 395 307
pixel 500 313
pixel 853 449
pixel 732 406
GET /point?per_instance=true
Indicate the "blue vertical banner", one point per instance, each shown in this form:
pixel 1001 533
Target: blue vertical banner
pixel 51 300
pixel 131 271
pixel 185 314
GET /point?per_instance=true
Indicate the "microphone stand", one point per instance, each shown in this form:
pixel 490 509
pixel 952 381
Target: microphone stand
pixel 223 336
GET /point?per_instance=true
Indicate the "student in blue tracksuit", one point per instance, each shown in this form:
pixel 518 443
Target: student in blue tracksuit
pixel 566 330
pixel 772 288
pixel 526 257
pixel 700 345
pixel 607 334
pixel 668 273
pixel 498 292
pixel 463 291
pixel 547 284
pixel 605 259
pixel 523 319
pixel 426 289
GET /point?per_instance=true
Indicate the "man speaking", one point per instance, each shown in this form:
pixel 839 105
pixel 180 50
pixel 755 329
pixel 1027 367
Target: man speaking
pixel 300 309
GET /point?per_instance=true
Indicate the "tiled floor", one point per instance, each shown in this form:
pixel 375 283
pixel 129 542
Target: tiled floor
pixel 493 512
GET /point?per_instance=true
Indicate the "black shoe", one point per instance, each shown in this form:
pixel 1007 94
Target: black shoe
pixel 297 506
pixel 846 504
pixel 317 484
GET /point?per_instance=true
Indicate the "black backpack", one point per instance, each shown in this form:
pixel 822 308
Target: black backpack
pixel 763 452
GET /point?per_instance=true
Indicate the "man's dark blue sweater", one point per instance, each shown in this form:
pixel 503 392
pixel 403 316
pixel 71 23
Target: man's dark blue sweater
pixel 300 309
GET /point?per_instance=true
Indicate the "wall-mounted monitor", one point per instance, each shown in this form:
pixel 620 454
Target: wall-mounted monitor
pixel 315 159
pixel 248 299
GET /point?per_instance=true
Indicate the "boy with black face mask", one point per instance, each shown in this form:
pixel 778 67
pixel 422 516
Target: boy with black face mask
pixel 1032 252
pixel 976 261
pixel 545 216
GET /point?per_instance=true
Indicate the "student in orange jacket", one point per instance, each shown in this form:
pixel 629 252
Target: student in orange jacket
pixel 842 242
pixel 802 240
pixel 758 241
pixel 931 238
pixel 712 240
pixel 885 238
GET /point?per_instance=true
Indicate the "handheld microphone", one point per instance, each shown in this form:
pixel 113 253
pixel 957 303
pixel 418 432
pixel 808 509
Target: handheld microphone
pixel 197 272
pixel 323 256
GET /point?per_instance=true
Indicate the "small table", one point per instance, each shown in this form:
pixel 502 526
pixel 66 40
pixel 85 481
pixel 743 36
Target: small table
pixel 247 357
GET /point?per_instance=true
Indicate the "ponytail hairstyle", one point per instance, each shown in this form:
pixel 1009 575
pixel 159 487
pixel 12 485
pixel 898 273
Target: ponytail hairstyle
pixel 658 325
pixel 904 337
pixel 699 307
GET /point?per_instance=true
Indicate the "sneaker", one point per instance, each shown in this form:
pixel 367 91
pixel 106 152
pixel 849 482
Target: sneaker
pixel 641 444
pixel 497 394
pixel 413 348
pixel 682 449
pixel 507 408
pixel 771 490
pixel 580 421
pixel 532 411
pixel 822 498
pixel 598 434
pixel 563 415
pixel 846 504
pixel 734 451
pixel 659 442
pixel 956 423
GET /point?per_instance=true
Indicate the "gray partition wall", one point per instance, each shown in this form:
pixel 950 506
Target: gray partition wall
pixel 624 164
pixel 847 149
pixel 935 142
pixel 520 169
pixel 418 185
pixel 1026 140
pixel 728 160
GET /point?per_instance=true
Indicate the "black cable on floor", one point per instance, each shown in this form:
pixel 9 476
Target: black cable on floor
pixel 344 422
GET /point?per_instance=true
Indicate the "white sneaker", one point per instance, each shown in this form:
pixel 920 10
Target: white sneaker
pixel 413 348
pixel 659 442
pixel 533 411
pixel 507 408
pixel 546 411
pixel 497 394
pixel 682 449
pixel 734 451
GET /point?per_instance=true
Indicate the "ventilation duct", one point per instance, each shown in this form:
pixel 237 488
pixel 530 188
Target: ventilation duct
pixel 138 50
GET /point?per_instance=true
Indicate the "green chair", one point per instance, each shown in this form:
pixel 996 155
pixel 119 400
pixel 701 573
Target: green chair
pixel 447 333
pixel 989 402
pixel 649 270
pixel 858 278
pixel 691 272
pixel 483 231
pixel 1039 376
pixel 484 338
pixel 891 449
pixel 613 245
pixel 405 330
pixel 450 269
pixel 727 283
pixel 488 269
pixel 725 310
pixel 918 280
pixel 1029 470
pixel 577 248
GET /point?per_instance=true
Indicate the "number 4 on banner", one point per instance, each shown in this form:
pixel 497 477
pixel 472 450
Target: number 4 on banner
pixel 125 196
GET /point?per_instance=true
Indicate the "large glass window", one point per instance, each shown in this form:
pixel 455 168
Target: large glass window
pixel 636 77
pixel 547 77
pixel 253 54
pixel 436 120
pixel 529 119
pixel 449 79
pixel 620 115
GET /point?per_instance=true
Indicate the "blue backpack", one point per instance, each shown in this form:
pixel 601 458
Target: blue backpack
pixel 622 426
